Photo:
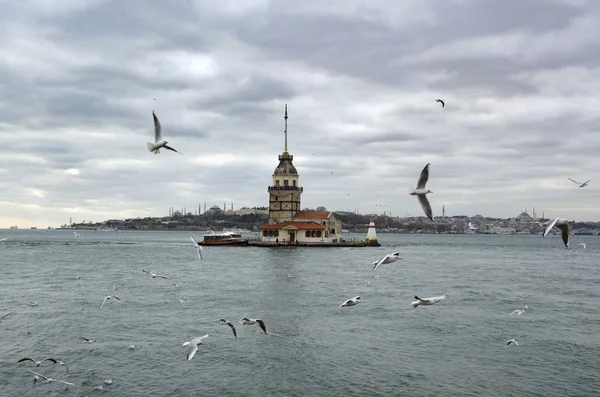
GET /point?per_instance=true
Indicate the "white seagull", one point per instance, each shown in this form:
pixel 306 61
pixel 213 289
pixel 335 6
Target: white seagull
pixel 563 225
pixel 427 301
pixel 582 245
pixel 198 248
pixel 193 346
pixel 158 140
pixel 86 340
pixel 223 322
pixel 519 311
pixel 584 184
pixel 389 258
pixel 251 321
pixel 421 192
pixel 49 380
pixel 154 275
pixel 76 235
pixel 508 342
pixel 107 298
pixel 351 302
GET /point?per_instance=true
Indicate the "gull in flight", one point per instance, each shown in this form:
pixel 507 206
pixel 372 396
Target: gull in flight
pixel 427 301
pixel 4 239
pixel 193 346
pixel 198 248
pixel 351 302
pixel 181 301
pixel 86 340
pixel 519 311
pixel 76 235
pixel 107 298
pixel 582 245
pixel 223 322
pixel 389 258
pixel 584 184
pixel 508 342
pixel 33 304
pixel 421 192
pixel 251 321
pixel 37 363
pixel 441 101
pixel 154 275
pixel 49 380
pixel 563 225
pixel 158 140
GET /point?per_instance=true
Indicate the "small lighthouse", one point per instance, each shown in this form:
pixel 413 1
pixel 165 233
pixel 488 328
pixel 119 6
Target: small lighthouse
pixel 371 234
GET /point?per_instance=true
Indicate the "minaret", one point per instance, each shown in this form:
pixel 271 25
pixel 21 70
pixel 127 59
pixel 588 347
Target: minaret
pixel 443 211
pixel 284 193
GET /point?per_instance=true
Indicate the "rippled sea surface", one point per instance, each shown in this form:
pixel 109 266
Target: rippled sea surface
pixel 381 347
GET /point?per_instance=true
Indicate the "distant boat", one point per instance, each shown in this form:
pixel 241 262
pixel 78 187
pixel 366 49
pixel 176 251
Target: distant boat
pixel 33 227
pixel 345 231
pixel 14 227
pixel 107 229
pixel 50 228
pixel 224 238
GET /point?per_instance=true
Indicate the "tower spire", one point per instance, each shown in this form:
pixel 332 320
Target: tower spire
pixel 285 130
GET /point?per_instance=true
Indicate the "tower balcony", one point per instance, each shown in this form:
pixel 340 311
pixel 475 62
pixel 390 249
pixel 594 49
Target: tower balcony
pixel 285 188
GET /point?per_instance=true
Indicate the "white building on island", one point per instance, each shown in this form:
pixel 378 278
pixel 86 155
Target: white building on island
pixel 287 224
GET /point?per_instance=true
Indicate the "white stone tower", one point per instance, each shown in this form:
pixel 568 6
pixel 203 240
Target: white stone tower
pixel 284 193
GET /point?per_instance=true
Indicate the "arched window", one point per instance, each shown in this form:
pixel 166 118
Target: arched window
pixel 326 233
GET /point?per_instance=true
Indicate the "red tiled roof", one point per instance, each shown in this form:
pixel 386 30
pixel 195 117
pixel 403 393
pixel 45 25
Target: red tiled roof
pixel 294 225
pixel 312 215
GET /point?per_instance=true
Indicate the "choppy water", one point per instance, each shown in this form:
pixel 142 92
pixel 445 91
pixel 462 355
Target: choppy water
pixel 382 347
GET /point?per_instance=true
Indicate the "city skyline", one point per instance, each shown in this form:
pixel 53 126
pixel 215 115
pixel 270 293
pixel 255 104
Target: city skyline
pixel 360 80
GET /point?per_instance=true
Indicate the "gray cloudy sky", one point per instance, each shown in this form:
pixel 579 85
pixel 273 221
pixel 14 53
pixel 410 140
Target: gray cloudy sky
pixel 78 78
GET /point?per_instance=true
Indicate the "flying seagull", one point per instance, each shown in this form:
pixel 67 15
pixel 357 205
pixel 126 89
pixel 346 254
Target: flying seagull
pixel 49 380
pixel 223 322
pixel 76 235
pixel 519 311
pixel 158 140
pixel 427 301
pixel 193 346
pixel 582 245
pixel 37 363
pixel 154 275
pixel 107 298
pixel 86 340
pixel 351 302
pixel 421 192
pixel 198 248
pixel 508 342
pixel 584 184
pixel 441 101
pixel 250 321
pixel 563 225
pixel 389 258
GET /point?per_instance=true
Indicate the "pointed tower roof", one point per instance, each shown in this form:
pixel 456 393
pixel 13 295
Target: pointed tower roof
pixel 285 166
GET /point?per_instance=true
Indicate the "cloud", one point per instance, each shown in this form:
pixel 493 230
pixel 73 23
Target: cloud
pixel 80 79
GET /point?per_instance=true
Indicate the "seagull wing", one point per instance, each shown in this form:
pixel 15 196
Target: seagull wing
pixel 171 149
pixel 27 359
pixel 232 328
pixel 199 339
pixel 585 183
pixel 146 271
pixel 425 205
pixel 549 227
pixel 379 262
pixel 262 325
pixel 62 381
pixel 116 297
pixel 565 232
pixel 573 180
pixel 6 315
pixel 423 178
pixel 103 302
pixel 192 349
pixel 158 275
pixel 157 128
pixel 51 359
pixel 35 373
